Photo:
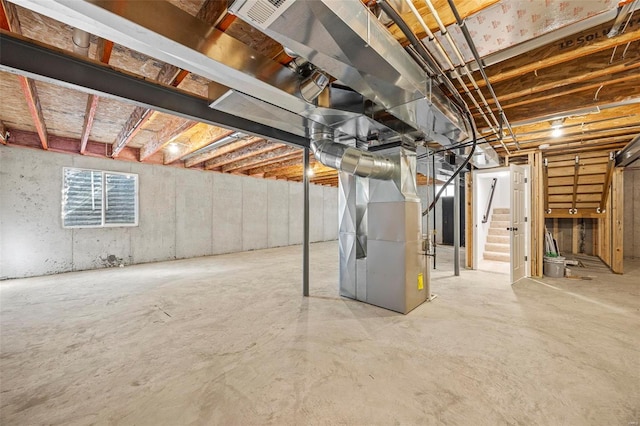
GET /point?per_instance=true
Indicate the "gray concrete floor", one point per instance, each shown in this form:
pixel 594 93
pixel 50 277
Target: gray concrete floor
pixel 229 340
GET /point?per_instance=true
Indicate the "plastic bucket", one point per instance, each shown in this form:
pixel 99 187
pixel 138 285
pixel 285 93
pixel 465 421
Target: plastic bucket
pixel 553 266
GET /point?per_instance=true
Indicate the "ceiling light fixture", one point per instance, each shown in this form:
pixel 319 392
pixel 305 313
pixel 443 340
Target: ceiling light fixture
pixel 556 125
pixel 310 172
pixel 173 147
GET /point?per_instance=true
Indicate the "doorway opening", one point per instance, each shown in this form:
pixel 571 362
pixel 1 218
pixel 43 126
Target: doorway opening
pixel 501 229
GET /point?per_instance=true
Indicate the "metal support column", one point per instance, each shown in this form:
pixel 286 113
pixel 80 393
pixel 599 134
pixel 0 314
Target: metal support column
pixel 435 206
pixel 456 224
pixel 305 232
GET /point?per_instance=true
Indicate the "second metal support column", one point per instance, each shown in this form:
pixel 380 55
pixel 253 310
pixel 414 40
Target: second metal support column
pixel 456 225
pixel 305 232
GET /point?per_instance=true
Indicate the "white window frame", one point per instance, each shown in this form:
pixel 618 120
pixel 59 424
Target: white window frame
pixel 103 174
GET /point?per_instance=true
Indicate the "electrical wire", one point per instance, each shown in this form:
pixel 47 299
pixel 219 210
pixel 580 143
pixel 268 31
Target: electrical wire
pixel 462 166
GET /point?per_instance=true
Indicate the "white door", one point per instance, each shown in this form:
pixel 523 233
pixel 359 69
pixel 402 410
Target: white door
pixel 517 234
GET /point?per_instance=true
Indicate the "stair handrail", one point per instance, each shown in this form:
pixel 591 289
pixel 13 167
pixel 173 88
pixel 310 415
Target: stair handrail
pixel 485 218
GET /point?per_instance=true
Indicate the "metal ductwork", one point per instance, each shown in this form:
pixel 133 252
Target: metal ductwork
pixel 348 42
pixel 351 160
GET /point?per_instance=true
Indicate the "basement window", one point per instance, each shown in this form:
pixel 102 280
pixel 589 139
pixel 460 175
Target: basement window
pixel 96 198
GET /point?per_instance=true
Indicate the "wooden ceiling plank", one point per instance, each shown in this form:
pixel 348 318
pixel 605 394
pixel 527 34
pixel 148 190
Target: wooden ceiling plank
pixel 553 54
pixel 592 169
pixel 582 180
pixel 261 159
pixel 582 189
pixel 580 198
pixel 11 22
pixel 583 161
pixel 201 158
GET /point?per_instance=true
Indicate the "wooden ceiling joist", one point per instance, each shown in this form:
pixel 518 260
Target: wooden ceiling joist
pixel 199 139
pixel 11 22
pixel 140 116
pixel 553 54
pixel 230 147
pixel 623 91
pixel 3 133
pixel 132 126
pixel 173 129
pixel 288 171
pixel 630 75
pixel 209 12
pixel 71 146
pixel 103 54
pixel 260 159
pixel 580 134
pixel 262 170
pixel 594 69
pixel 258 146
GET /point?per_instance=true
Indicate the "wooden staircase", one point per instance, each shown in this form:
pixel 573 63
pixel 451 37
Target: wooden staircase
pixel 497 247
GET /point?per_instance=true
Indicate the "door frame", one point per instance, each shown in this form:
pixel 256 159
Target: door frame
pixel 476 205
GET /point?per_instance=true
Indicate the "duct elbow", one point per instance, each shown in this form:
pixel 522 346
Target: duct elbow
pixel 352 160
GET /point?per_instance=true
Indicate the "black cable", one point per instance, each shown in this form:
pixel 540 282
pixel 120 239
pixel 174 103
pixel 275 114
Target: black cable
pixel 462 166
pixel 453 148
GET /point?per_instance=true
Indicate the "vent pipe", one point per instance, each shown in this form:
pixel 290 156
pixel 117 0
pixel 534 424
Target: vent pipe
pixel 81 41
pixel 351 160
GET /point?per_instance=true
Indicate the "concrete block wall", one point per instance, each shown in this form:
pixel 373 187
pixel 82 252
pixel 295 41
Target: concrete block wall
pixel 182 213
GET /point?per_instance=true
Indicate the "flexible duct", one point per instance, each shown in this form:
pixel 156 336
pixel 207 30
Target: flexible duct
pixel 351 160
